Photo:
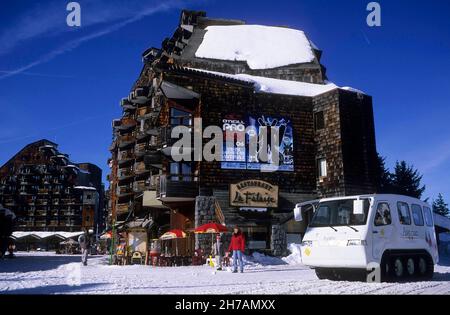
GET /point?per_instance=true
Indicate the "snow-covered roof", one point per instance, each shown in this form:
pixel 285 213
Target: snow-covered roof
pixel 277 86
pixel 262 47
pixel 44 234
pixel 84 188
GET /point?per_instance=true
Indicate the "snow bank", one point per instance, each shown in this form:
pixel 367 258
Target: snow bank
pixel 258 259
pixel 262 47
pixel 295 258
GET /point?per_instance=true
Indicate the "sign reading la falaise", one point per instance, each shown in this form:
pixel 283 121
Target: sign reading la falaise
pixel 254 193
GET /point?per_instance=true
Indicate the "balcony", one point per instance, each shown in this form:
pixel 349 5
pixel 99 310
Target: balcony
pixel 125 173
pixel 123 191
pixel 144 113
pixel 127 105
pixel 43 202
pixel 140 148
pixel 153 159
pixel 126 123
pixel 41 213
pixel 43 191
pixel 140 186
pixel 9 203
pixel 125 141
pixel 40 223
pixel 139 168
pixel 125 156
pixel 69 213
pixel 177 188
pixel 139 95
pixel 123 207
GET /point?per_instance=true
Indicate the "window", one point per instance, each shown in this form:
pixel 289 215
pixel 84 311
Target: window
pixel 417 215
pixel 428 216
pixel 319 120
pixel 322 167
pixel 180 117
pixel 180 171
pixel 383 214
pixel 403 213
pixel 339 213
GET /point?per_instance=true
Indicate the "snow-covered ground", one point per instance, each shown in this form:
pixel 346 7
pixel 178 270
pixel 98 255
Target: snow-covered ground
pixel 47 273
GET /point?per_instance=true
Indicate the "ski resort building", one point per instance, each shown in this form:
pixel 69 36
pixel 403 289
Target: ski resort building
pixel 235 75
pixel 48 192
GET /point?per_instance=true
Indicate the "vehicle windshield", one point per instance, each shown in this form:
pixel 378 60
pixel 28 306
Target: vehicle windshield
pixel 339 213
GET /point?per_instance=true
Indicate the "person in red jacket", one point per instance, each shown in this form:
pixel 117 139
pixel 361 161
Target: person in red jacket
pixel 237 246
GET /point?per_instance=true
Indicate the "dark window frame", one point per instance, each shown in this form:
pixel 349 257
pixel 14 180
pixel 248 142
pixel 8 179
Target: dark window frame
pixel 422 222
pixel 319 120
pixel 400 215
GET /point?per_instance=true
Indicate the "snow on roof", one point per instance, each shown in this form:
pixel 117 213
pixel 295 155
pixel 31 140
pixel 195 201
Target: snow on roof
pixel 84 188
pixel 262 47
pixel 44 234
pixel 276 86
pixel 348 88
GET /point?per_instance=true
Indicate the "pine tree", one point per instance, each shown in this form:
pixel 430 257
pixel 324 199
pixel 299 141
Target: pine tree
pixel 407 181
pixel 383 176
pixel 440 207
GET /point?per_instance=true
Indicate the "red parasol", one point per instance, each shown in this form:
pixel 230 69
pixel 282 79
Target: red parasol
pixel 211 228
pixel 173 234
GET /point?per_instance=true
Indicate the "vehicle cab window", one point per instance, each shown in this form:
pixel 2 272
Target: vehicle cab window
pixel 403 213
pixel 383 214
pixel 417 215
pixel 428 216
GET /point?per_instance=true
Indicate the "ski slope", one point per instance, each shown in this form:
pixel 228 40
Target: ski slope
pixel 46 273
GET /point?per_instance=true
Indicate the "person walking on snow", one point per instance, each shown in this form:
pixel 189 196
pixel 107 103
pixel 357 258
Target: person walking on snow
pixel 83 239
pixel 237 246
pixel 217 252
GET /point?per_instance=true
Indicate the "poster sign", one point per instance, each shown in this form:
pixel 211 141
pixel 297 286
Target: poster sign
pixel 254 194
pixel 237 136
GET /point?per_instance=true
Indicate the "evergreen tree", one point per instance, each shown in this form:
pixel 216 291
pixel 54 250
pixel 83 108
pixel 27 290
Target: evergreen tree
pixel 383 176
pixel 440 207
pixel 407 181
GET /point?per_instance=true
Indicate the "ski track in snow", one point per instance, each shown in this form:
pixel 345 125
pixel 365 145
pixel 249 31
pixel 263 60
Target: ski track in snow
pixel 48 273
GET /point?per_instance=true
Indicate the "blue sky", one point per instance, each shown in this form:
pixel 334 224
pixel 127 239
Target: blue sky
pixel 64 84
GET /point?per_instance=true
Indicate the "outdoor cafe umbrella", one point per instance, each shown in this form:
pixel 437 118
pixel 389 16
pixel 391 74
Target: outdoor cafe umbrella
pixel 211 228
pixel 173 235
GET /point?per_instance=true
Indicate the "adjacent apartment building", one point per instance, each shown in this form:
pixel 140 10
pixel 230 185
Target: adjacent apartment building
pixel 48 192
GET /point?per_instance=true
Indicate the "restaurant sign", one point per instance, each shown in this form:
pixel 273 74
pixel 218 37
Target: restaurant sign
pixel 254 194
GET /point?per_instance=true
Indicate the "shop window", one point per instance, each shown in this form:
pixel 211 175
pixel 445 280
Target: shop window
pixel 383 214
pixel 417 215
pixel 180 118
pixel 403 213
pixel 319 120
pixel 322 168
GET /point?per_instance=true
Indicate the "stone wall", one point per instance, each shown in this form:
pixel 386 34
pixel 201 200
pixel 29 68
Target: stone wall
pixel 204 213
pixel 278 243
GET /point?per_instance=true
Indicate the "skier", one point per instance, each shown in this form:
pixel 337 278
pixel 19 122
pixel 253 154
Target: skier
pixel 83 239
pixel 237 246
pixel 217 251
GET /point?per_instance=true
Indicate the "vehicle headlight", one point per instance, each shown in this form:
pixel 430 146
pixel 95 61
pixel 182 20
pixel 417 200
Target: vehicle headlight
pixel 307 243
pixel 356 243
